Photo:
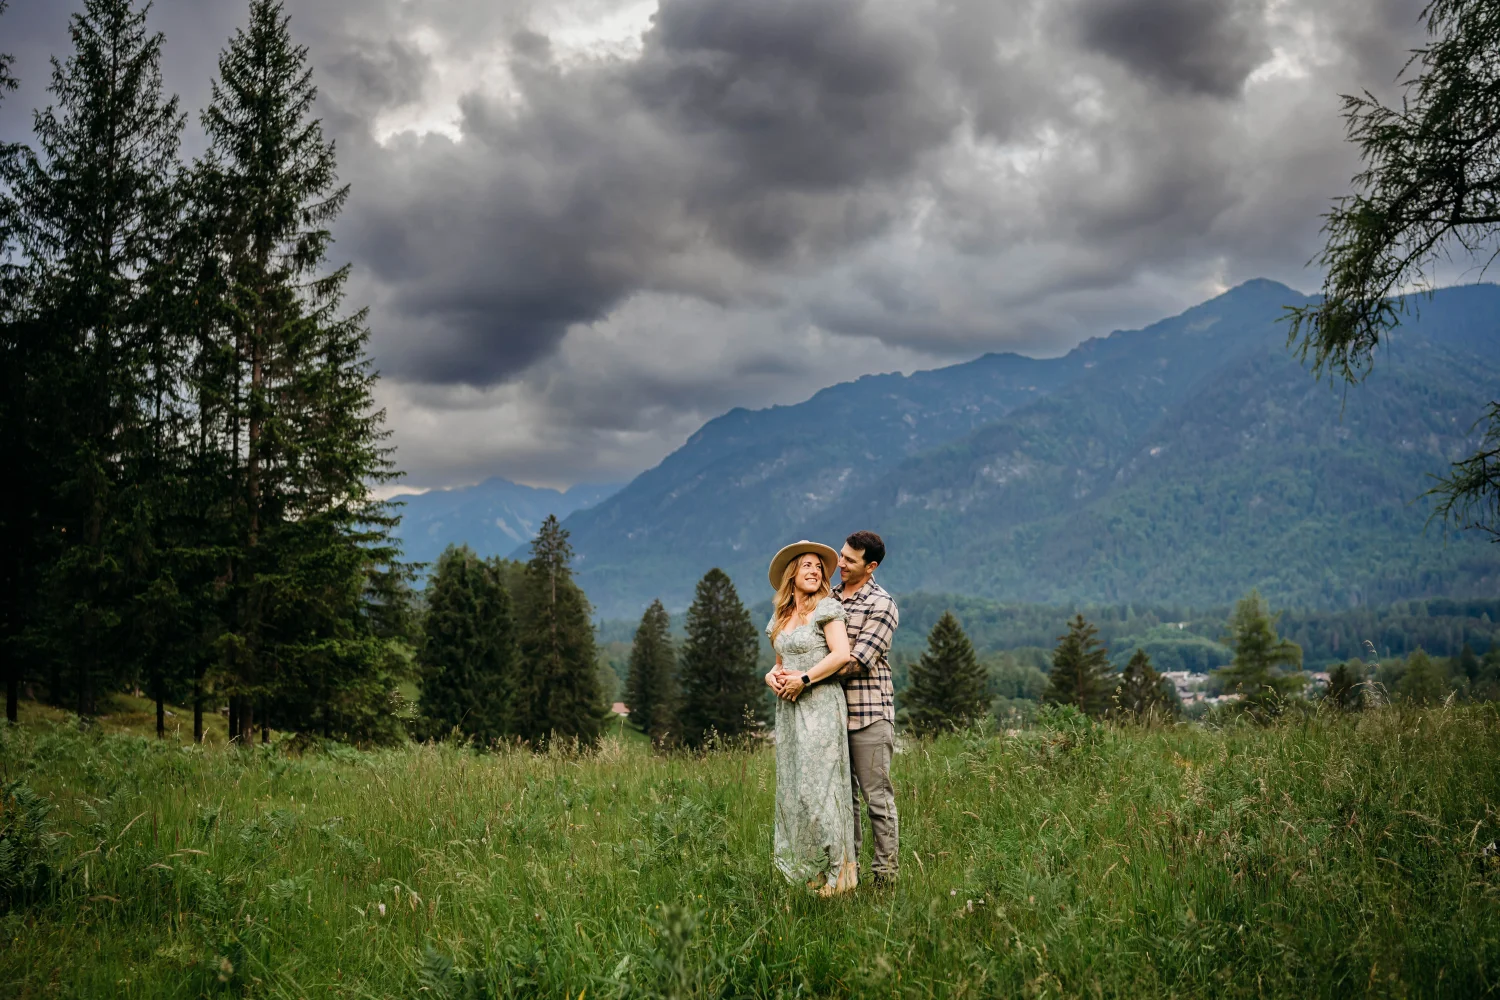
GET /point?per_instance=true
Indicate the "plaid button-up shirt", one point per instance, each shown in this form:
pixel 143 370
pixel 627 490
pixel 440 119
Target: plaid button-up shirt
pixel 872 620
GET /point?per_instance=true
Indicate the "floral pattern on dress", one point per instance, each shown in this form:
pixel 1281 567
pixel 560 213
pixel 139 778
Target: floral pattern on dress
pixel 814 823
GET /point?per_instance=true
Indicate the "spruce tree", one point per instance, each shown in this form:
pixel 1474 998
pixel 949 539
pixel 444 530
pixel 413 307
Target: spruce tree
pixel 651 687
pixel 1487 687
pixel 468 653
pixel 1081 675
pixel 1345 686
pixel 1425 681
pixel 1467 664
pixel 1259 655
pixel 92 214
pixel 556 690
pixel 312 570
pixel 1143 693
pixel 20 501
pixel 947 685
pixel 720 677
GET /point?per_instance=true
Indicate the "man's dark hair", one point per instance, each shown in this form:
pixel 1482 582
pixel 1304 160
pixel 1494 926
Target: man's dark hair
pixel 869 545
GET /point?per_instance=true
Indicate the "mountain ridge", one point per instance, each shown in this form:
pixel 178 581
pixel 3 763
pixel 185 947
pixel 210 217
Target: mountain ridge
pixel 973 465
pixel 492 517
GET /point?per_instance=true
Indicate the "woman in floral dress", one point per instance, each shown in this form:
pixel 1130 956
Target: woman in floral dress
pixel 814 821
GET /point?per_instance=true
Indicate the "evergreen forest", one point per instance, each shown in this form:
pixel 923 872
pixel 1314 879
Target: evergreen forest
pixel 189 409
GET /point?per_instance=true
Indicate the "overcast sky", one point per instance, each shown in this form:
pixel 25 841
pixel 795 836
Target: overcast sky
pixel 584 227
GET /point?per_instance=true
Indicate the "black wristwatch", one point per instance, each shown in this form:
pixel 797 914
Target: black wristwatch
pixel 806 681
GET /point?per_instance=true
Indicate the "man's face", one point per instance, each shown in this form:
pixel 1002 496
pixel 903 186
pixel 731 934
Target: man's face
pixel 852 565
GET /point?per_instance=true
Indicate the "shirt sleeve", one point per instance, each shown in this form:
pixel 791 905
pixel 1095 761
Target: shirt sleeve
pixel 874 639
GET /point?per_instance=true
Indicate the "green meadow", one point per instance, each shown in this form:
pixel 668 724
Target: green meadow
pixel 1324 856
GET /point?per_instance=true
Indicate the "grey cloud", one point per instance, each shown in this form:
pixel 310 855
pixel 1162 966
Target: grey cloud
pixel 388 73
pixel 770 134
pixel 1200 46
pixel 795 94
pixel 770 196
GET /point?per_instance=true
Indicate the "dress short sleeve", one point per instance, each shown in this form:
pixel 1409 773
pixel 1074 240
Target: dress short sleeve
pixel 771 628
pixel 827 610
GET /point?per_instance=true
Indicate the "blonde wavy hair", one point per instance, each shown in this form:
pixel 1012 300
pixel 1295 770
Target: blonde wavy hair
pixel 786 594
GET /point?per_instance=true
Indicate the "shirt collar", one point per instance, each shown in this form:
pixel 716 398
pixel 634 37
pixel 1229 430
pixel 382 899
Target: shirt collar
pixel 863 591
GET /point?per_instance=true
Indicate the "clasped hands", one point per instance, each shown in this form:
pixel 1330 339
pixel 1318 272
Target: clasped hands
pixel 785 683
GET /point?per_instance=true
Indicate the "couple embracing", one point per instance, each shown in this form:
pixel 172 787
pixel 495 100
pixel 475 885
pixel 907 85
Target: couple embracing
pixel 835 714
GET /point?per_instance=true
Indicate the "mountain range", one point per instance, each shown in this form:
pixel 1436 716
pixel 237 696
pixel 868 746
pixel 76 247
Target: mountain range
pixel 492 517
pixel 1186 463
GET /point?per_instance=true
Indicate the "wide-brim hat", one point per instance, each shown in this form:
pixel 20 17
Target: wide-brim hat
pixel 797 550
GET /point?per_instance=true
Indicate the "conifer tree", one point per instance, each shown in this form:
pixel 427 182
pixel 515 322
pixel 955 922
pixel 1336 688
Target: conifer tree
pixel 19 502
pixel 468 656
pixel 651 687
pixel 1143 693
pixel 1467 664
pixel 1487 687
pixel 1425 682
pixel 1345 686
pixel 556 690
pixel 311 567
pixel 1259 655
pixel 721 686
pixel 947 685
pixel 92 214
pixel 1426 194
pixel 1081 675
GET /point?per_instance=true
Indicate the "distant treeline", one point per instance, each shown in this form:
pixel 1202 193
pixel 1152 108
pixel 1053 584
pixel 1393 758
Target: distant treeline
pixel 1441 626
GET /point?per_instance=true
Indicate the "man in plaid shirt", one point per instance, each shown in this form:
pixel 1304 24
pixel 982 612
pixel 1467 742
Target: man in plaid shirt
pixel 872 621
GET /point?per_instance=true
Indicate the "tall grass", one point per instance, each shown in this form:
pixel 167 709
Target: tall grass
pixel 1325 857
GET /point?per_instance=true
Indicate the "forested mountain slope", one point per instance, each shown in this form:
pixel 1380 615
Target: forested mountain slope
pixel 1157 479
pixel 1182 463
pixel 750 477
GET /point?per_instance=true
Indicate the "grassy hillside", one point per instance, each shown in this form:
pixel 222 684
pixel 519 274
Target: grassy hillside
pixel 1328 857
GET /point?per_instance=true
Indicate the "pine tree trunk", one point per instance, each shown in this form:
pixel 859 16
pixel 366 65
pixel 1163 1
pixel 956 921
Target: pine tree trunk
pixel 247 721
pixel 161 714
pixel 234 717
pixel 197 712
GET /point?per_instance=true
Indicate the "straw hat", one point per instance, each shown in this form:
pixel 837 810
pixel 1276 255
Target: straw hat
pixel 797 549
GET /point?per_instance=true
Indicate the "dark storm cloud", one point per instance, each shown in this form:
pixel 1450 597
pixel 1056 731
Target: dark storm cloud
pixel 764 133
pixel 1202 46
pixel 797 95
pixel 575 255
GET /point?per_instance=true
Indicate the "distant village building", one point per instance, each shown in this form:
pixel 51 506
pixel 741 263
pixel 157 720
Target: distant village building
pixel 619 708
pixel 1188 684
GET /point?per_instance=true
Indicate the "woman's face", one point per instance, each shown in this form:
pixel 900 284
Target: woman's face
pixel 809 574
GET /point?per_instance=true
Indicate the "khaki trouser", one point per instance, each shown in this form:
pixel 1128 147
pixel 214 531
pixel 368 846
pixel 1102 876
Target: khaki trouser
pixel 870 766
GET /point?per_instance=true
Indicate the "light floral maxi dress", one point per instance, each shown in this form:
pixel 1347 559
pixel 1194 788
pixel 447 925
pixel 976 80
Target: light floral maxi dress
pixel 814 824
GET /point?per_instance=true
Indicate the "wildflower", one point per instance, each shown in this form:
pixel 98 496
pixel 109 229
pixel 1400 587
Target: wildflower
pixel 382 908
